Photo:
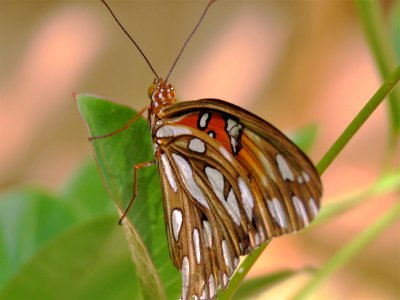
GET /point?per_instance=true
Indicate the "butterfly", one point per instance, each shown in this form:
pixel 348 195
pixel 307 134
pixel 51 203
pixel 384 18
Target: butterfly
pixel 230 182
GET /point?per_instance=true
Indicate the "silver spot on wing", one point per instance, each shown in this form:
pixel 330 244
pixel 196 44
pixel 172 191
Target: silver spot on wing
pixel 207 233
pixel 170 131
pixel 185 276
pixel 168 172
pixel 216 180
pixel 227 255
pixel 313 206
pixel 247 198
pixel 211 286
pixel 277 212
pixel 187 177
pixel 176 223
pixel 197 145
pixel 300 210
pixel 196 244
pixel 284 168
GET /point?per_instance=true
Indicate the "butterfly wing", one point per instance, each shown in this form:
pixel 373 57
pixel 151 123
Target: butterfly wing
pixel 230 181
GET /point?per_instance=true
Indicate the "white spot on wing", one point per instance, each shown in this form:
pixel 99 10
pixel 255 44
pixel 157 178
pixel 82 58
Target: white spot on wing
pixel 313 207
pixel 197 145
pixel 233 207
pixel 170 131
pixel 234 144
pixel 187 177
pixel 216 180
pixel 225 279
pixel 203 120
pixel 234 130
pixel 305 176
pixel 185 276
pixel 235 262
pixel 196 242
pixel 247 198
pixel 277 212
pixel 158 123
pixel 300 209
pixel 230 124
pixel 267 167
pixel 257 239
pixel 211 285
pixel 207 233
pixel 225 153
pixel 227 255
pixel 168 172
pixel 203 294
pixel 284 168
pixel 176 222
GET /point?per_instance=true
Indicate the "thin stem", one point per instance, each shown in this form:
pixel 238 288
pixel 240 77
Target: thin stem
pixel 377 33
pixel 241 272
pixel 359 120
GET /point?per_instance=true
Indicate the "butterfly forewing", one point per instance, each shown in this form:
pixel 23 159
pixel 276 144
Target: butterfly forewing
pixel 230 181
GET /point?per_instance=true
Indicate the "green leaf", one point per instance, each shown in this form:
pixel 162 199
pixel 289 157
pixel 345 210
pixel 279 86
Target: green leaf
pixel 86 195
pixel 88 262
pixel 29 220
pixel 116 157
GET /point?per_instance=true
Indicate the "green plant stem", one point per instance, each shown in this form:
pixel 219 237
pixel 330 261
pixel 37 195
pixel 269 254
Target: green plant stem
pixel 349 251
pixel 359 120
pixel 241 272
pixel 372 19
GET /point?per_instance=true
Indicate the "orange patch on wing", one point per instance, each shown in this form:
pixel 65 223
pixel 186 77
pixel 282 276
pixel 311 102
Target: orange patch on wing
pixel 216 124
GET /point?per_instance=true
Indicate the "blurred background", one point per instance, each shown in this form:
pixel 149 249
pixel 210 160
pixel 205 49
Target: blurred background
pixel 294 63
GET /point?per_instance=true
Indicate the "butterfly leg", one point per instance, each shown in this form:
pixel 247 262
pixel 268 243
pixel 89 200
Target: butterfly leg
pixel 126 126
pixel 136 168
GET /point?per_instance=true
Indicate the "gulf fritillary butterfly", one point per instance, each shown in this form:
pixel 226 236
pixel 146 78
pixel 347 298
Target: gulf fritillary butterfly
pixel 230 181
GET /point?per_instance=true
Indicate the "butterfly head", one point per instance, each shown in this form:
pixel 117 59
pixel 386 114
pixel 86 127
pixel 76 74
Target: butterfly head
pixel 162 94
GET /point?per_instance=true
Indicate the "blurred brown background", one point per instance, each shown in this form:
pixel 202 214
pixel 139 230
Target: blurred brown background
pixel 292 62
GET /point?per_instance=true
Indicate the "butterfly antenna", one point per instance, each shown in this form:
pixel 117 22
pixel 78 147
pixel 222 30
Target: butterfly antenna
pixel 189 37
pixel 129 36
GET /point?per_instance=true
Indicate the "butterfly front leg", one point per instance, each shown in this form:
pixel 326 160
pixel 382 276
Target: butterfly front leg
pixel 126 126
pixel 136 168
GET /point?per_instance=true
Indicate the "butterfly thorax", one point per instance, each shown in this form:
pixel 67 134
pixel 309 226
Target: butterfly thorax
pixel 162 95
